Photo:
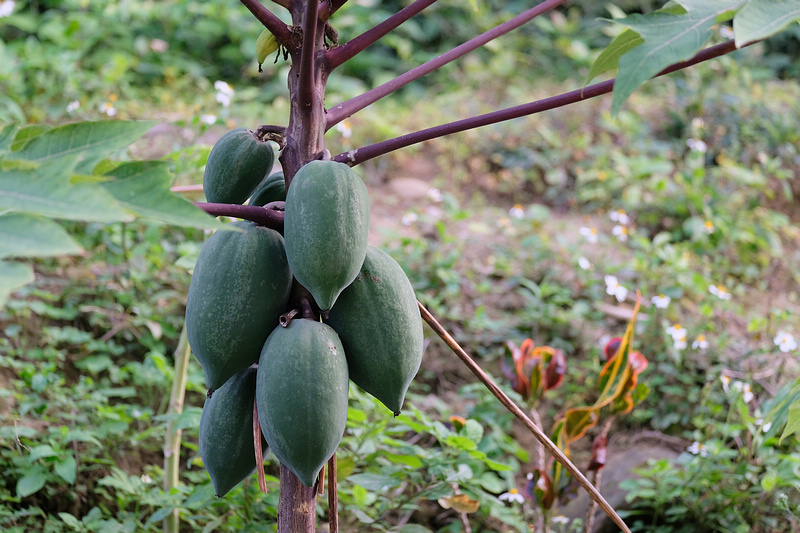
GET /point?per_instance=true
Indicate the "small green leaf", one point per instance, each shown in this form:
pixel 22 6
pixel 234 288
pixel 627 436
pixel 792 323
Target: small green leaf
pixel 24 235
pixel 793 425
pixel 42 451
pixel 71 521
pixel 66 469
pixel 374 482
pixel 609 57
pixel 759 19
pixel 31 482
pixel 770 481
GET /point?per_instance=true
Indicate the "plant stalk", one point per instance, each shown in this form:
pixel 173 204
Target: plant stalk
pixel 271 218
pixel 520 414
pixel 340 112
pixel 359 155
pixel 349 50
pixel 172 445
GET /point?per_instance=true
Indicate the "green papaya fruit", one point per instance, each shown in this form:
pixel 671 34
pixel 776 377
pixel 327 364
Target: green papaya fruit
pixel 326 225
pixel 239 289
pixel 238 162
pixel 378 321
pixel 272 189
pixel 301 392
pixel 226 432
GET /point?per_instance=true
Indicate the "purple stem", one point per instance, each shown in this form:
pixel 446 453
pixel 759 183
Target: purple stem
pixel 359 155
pixel 306 83
pixel 340 112
pixel 347 51
pixel 278 28
pixel 270 218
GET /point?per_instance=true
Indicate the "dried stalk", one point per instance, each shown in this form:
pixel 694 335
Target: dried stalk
pixel 520 414
pixel 172 445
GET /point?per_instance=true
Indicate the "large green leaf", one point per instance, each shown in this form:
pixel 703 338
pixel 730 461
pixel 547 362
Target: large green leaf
pixel 12 277
pixel 49 191
pixel 89 141
pixel 758 19
pixel 143 187
pixel 23 235
pixel 667 39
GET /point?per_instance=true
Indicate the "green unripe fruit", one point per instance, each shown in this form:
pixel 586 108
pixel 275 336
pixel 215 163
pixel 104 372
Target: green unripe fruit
pixel 378 321
pixel 326 225
pixel 238 162
pixel 301 394
pixel 272 189
pixel 239 289
pixel 226 432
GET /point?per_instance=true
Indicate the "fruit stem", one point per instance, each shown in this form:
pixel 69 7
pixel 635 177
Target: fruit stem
pixel 498 393
pixel 333 497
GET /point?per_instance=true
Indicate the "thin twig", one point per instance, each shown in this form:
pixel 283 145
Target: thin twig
pixel 540 464
pixel 347 51
pixel 597 479
pixel 271 218
pixel 359 155
pixel 520 414
pixel 340 112
pixel 172 444
pixel 306 83
pixel 281 31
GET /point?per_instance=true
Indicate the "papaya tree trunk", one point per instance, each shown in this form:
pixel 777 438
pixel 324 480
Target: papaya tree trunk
pixel 297 505
pixel 304 142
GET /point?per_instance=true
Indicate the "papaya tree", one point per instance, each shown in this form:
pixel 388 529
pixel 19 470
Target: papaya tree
pixel 302 316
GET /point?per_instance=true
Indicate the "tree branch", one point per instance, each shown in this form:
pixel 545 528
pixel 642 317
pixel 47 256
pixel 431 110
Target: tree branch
pixel 520 414
pixel 340 112
pixel 269 215
pixel 359 155
pixel 347 51
pixel 306 83
pixel 278 28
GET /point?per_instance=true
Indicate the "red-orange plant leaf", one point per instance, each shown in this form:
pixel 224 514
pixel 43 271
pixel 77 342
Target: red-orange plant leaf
pixel 556 369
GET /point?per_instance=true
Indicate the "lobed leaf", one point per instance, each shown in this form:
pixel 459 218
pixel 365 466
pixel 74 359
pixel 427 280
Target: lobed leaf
pixel 759 19
pixel 667 38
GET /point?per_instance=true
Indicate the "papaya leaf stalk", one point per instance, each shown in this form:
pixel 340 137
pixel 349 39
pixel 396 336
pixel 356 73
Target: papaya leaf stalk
pixel 282 32
pixel 349 50
pixel 359 155
pixel 340 112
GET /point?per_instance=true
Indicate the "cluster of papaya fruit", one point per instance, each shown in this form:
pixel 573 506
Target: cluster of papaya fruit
pixel 256 349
